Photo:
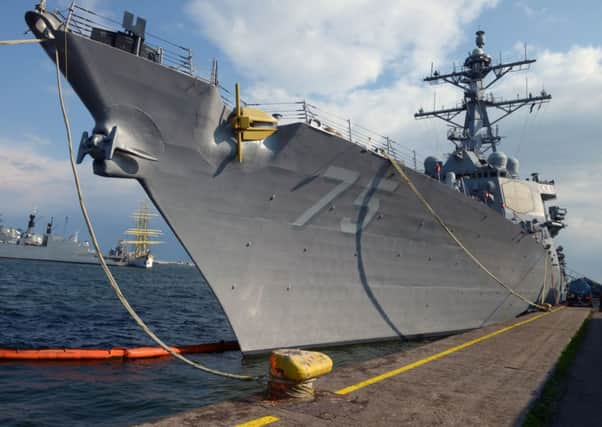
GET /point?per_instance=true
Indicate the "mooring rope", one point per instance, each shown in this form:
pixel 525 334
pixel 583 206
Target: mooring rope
pixel 101 258
pixel 122 297
pixel 103 263
pixel 430 209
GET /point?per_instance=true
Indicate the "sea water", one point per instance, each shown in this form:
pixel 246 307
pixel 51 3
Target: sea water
pixel 54 305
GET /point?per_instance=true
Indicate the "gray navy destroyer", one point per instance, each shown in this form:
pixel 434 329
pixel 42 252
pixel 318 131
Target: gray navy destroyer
pixel 27 244
pixel 303 229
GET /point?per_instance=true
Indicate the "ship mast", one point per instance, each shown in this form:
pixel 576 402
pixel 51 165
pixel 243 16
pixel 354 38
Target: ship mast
pixel 143 234
pixel 476 133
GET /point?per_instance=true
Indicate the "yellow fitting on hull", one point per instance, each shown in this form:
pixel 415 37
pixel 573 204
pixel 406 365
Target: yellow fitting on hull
pixel 250 124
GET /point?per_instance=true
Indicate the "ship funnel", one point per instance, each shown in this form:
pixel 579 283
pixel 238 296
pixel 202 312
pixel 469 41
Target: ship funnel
pixel 480 41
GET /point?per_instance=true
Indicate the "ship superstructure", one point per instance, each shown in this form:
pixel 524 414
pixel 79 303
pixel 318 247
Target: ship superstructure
pixel 303 230
pixel 477 167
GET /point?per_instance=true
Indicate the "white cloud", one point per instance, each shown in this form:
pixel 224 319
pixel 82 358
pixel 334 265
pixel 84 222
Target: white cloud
pixel 564 137
pixel 341 56
pixel 529 10
pixel 575 74
pixel 35 139
pixel 95 6
pixel 88 4
pixel 324 48
pixel 366 63
pixel 578 189
pixel 30 178
pixel 539 14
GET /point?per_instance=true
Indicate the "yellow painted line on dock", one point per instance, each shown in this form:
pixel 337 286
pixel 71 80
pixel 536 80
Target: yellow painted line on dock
pixel 258 422
pixel 434 357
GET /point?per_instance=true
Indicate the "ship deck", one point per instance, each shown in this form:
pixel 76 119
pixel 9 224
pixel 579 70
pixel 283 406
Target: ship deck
pixel 488 376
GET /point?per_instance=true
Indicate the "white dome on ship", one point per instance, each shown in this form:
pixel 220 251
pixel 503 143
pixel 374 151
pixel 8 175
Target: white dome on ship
pixel 497 160
pixel 513 166
pixel 477 51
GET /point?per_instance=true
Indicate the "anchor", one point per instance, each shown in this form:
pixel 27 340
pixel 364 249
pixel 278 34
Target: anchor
pixel 102 147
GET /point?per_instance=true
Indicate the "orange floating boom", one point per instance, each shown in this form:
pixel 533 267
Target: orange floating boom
pixel 114 353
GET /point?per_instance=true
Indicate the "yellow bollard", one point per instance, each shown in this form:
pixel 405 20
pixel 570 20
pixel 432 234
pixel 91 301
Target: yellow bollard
pixel 293 372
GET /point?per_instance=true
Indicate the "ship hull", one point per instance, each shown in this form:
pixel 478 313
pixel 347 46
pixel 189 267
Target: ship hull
pixel 140 262
pixel 282 284
pixel 54 251
pixel 311 240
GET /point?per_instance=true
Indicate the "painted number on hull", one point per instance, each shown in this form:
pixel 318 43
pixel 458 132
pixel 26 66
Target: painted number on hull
pixel 365 201
pixel 368 203
pixel 347 179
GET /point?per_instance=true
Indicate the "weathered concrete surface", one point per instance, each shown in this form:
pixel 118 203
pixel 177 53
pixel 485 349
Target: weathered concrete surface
pixel 488 384
pixel 581 402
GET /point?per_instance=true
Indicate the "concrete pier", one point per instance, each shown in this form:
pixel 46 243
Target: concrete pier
pixel 488 376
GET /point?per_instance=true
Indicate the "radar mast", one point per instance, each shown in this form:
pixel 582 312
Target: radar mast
pixel 476 76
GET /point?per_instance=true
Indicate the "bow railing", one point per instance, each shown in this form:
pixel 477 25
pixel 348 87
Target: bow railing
pixel 87 23
pixel 302 111
pixel 90 24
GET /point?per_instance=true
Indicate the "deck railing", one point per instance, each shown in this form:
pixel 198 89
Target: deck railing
pixel 82 21
pixel 302 111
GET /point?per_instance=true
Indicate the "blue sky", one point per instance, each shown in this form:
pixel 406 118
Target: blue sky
pixel 349 56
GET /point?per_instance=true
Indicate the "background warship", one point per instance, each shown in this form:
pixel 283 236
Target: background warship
pixel 303 230
pixel 30 245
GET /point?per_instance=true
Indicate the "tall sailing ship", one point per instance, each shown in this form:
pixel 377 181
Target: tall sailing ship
pixel 302 227
pixel 144 238
pixel 136 252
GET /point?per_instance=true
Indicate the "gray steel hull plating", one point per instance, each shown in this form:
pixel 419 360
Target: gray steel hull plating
pixel 311 240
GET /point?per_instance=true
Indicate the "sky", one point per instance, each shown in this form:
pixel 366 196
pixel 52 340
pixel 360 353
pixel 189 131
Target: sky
pixel 350 57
